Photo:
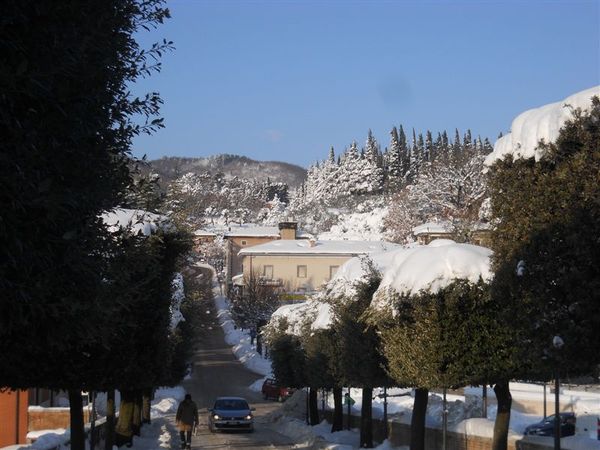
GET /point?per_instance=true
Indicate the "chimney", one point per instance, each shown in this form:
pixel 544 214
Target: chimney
pixel 312 242
pixel 287 230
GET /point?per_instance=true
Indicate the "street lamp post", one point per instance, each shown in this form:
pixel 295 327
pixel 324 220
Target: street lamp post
pixel 557 343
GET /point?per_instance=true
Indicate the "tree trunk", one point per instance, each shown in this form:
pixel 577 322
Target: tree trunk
pixel 338 410
pixel 366 418
pixel 136 423
pixel 109 435
pixel 313 406
pixel 76 411
pixel 417 424
pixel 124 428
pixel 504 399
pixel 146 403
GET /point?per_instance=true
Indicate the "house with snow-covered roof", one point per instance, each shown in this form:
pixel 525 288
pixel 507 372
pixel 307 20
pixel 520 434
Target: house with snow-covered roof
pixel 303 265
pixel 240 237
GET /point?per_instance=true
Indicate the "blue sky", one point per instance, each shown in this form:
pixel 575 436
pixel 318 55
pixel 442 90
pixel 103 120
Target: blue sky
pixel 285 80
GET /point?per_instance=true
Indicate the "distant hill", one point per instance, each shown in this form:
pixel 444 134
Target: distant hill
pixel 173 167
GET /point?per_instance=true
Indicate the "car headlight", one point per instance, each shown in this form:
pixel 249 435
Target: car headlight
pixel 249 417
pixel 216 417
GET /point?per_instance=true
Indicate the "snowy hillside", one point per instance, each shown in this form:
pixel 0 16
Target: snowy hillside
pixel 231 166
pixel 544 122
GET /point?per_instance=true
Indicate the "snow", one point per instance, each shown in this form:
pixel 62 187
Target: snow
pixel 250 230
pixel 534 125
pixel 47 439
pixel 358 225
pixel 433 227
pixel 433 267
pixel 177 297
pixel 318 314
pixel 239 339
pixel 286 247
pixel 137 221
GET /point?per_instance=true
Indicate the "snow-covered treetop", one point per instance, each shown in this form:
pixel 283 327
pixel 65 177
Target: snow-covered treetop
pixel 316 314
pixel 405 270
pixel 431 268
pixel 136 221
pixel 411 269
pixel 545 122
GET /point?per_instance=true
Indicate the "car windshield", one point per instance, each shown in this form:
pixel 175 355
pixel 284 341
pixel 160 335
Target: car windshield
pixel 231 404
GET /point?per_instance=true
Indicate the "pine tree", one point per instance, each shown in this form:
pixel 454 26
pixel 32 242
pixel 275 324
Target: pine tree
pixel 487 147
pixel 429 149
pixel 371 148
pixel 456 145
pixel 467 140
pixel 331 155
pixel 548 222
pixel 404 155
pixel 394 162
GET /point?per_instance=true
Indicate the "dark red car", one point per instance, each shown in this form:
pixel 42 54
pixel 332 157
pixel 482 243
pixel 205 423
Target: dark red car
pixel 270 389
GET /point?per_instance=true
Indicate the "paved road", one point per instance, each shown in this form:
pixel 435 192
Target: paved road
pixel 217 372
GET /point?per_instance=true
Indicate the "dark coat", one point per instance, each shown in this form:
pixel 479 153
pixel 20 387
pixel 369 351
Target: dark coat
pixel 187 413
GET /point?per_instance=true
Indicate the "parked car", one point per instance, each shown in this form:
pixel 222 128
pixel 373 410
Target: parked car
pixel 546 426
pixel 230 413
pixel 271 389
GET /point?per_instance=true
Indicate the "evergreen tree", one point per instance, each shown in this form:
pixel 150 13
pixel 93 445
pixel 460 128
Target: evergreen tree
pixel 487 147
pixel 548 222
pixel 445 144
pixel 429 149
pixel 331 155
pixel 456 145
pixel 404 155
pixel 394 162
pixel 371 148
pixel 359 359
pixel 467 140
pixel 67 120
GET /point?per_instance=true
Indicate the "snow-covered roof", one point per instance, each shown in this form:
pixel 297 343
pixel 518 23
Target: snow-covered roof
pixel 433 227
pixel 252 231
pixel 204 233
pixel 303 247
pixel 530 127
pixel 138 221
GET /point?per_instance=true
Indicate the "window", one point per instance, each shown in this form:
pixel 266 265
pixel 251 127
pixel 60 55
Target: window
pixel 268 272
pixel 332 271
pixel 243 242
pixel 301 271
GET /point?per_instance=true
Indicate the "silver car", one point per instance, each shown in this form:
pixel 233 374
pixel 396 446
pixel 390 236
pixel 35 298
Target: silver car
pixel 230 413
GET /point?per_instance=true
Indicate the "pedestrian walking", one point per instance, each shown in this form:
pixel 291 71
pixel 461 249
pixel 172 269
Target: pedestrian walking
pixel 187 419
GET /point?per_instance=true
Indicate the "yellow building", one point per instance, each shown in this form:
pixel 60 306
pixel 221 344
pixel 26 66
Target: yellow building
pixel 303 265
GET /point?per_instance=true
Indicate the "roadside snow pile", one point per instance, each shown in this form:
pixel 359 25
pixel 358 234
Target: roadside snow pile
pixel 537 124
pixel 293 408
pixel 166 401
pixel 358 226
pixel 48 439
pixel 239 339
